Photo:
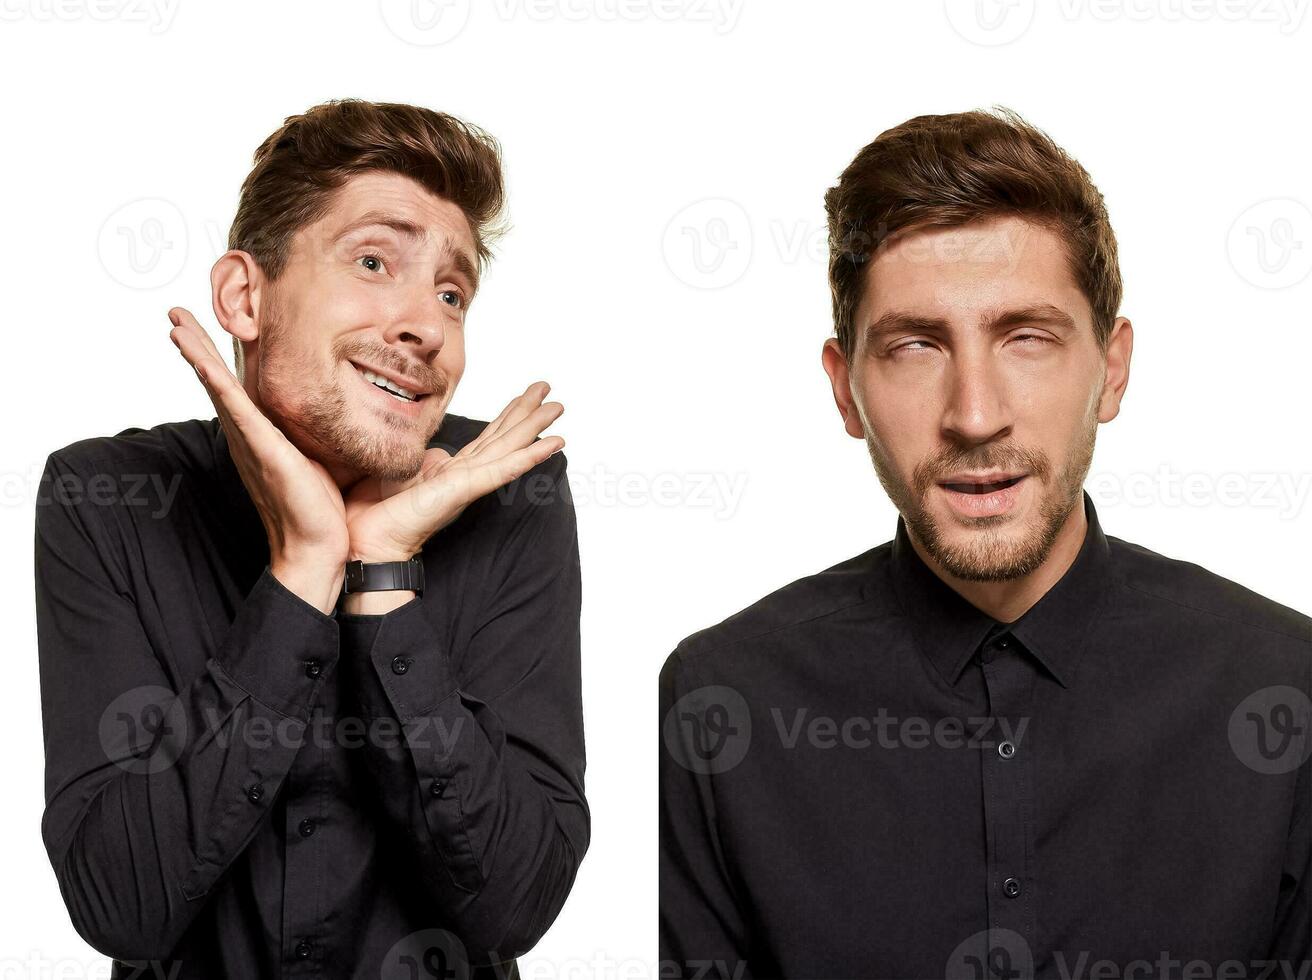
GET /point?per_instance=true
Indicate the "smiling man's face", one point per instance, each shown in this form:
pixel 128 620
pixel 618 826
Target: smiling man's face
pixel 381 284
pixel 978 385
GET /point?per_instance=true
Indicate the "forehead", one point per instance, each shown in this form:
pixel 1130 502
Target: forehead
pixel 378 192
pixel 956 271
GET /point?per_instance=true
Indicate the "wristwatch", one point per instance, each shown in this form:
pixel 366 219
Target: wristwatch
pixel 384 576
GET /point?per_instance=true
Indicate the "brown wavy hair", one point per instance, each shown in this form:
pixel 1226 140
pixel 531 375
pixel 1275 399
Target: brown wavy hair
pixel 950 170
pixel 300 166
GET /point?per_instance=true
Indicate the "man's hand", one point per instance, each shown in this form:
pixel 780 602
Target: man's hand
pixel 391 523
pixel 297 499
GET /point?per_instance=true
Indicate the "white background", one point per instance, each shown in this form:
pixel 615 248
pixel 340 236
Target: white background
pixel 708 462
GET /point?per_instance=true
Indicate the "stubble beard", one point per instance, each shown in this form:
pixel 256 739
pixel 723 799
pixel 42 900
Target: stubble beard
pixel 325 421
pixel 991 555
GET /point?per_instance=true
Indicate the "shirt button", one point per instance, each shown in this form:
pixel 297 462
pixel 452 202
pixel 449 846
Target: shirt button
pixel 306 828
pixel 1011 887
pixel 438 787
pixel 1006 749
pixel 313 669
pixel 1003 643
pixel 303 950
pixel 254 793
pixel 400 665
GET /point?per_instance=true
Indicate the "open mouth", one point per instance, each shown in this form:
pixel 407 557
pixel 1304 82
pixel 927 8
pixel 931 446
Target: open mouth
pixel 387 385
pixel 982 488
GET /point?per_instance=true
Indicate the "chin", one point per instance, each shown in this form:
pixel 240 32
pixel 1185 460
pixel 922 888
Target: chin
pixel 362 439
pixel 387 456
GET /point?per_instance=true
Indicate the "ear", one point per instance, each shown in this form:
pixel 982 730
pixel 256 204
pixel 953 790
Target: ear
pixel 835 365
pixel 236 282
pixel 1119 347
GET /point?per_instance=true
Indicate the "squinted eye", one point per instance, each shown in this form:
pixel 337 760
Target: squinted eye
pixel 452 297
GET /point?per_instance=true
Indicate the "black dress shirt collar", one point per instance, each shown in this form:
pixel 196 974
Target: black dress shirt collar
pixel 949 629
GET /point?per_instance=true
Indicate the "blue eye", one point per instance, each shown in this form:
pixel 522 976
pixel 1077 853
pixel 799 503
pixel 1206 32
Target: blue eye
pixel 457 301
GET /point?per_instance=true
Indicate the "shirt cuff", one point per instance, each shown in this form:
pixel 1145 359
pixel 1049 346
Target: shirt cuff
pixel 397 660
pixel 280 649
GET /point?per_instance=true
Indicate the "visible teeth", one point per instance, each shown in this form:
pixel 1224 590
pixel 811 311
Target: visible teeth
pixel 391 386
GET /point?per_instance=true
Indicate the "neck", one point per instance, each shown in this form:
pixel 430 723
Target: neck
pixel 1008 601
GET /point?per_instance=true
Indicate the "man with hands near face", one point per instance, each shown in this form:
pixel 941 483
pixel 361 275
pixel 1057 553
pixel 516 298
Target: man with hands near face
pixel 321 716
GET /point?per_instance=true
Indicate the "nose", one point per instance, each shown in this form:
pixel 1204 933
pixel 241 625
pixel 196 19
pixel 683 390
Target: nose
pixel 978 406
pixel 420 325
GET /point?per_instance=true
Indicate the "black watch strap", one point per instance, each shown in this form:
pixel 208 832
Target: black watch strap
pixel 384 576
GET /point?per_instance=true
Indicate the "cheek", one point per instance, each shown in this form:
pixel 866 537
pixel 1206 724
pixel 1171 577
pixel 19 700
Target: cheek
pixel 451 358
pixel 902 432
pixel 290 369
pixel 900 410
pixel 277 397
pixel 1058 411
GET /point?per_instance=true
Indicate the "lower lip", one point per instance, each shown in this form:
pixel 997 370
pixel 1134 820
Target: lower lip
pixel 411 409
pixel 984 504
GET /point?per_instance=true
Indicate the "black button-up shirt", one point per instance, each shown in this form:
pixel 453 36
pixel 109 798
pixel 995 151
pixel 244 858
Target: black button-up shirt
pixel 863 775
pixel 238 785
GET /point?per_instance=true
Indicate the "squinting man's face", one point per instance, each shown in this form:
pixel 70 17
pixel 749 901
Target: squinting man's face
pixel 382 284
pixel 975 368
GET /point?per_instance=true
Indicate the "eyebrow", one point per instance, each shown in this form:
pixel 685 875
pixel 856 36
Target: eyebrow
pixel 896 321
pixel 414 233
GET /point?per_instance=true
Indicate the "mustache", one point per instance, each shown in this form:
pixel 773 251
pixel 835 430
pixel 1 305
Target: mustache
pixel 929 472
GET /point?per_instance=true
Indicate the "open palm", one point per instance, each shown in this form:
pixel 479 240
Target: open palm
pixel 391 520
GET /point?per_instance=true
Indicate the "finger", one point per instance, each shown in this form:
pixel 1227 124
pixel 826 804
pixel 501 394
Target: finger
pixel 525 431
pixel 492 428
pixel 477 478
pixel 187 322
pixel 239 415
pixel 185 337
pixel 497 472
pixel 512 413
pixel 524 404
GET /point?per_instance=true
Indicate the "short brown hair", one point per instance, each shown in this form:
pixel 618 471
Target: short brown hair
pixel 953 169
pixel 300 166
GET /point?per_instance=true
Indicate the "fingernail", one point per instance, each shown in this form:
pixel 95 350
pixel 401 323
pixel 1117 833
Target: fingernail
pixel 173 318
